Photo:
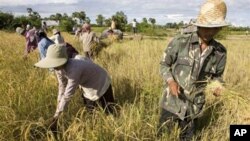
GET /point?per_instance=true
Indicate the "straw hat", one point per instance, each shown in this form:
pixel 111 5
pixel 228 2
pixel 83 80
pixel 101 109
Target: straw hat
pixel 54 31
pixel 212 14
pixel 19 30
pixel 56 56
pixel 86 27
pixel 28 27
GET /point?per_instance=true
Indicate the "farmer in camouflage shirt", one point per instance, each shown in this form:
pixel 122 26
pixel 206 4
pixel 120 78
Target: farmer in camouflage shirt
pixel 189 61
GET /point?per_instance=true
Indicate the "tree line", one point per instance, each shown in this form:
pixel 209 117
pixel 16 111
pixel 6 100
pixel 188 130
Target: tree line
pixel 9 22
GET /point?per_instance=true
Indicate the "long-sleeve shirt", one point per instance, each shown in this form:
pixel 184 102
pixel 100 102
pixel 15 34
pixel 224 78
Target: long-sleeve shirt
pixel 88 40
pixel 31 41
pixel 184 62
pixel 58 39
pixel 93 79
pixel 43 46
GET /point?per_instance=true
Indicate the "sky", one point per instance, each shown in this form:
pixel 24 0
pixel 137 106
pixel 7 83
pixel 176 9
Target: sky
pixel 163 11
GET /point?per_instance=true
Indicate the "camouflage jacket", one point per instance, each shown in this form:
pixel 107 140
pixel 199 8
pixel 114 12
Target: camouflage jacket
pixel 183 62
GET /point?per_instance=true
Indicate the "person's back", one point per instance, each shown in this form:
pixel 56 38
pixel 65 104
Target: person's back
pixel 87 40
pixel 31 40
pixel 43 44
pixel 93 79
pixel 57 37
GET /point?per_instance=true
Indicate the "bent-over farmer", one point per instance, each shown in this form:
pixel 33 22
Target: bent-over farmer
pixel 72 73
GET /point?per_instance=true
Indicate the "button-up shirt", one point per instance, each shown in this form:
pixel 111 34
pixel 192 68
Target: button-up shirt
pixel 184 62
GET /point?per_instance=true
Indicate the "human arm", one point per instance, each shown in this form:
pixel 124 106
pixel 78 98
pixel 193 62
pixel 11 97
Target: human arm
pixel 219 72
pixel 62 83
pixel 169 58
pixel 42 50
pixel 69 91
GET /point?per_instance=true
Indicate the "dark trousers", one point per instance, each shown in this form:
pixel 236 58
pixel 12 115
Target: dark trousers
pixel 134 30
pixel 106 101
pixel 167 122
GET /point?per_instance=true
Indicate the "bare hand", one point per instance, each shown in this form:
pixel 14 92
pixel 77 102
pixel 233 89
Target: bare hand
pixel 174 87
pixel 217 91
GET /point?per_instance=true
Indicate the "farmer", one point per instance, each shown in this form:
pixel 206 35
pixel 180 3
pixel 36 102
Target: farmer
pixel 72 73
pixel 89 40
pixel 113 24
pixel 134 24
pixel 31 39
pixel 44 43
pixel 189 62
pixel 57 37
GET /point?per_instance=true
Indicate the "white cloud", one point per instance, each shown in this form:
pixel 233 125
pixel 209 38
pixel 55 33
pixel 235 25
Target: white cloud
pixel 162 10
pixel 34 2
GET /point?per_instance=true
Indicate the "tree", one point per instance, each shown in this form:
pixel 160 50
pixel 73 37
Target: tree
pixel 29 10
pixel 121 20
pixel 5 20
pixel 87 20
pixel 144 20
pixel 80 15
pixel 100 20
pixel 152 21
pixel 34 17
pixel 107 22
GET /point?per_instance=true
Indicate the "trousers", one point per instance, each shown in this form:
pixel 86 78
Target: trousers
pixel 167 122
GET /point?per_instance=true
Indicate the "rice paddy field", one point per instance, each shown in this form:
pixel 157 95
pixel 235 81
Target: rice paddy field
pixel 28 95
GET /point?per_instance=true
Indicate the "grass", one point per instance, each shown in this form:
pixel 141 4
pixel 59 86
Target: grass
pixel 28 94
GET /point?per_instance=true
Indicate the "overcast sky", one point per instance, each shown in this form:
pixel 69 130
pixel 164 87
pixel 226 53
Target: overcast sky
pixel 163 11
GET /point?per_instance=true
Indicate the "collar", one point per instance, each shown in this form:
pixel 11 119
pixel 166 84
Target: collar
pixel 196 39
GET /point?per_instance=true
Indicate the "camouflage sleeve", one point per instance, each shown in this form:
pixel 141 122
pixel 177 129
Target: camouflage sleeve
pixel 169 58
pixel 220 68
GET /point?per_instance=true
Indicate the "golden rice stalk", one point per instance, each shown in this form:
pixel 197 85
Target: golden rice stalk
pixel 113 38
pixel 211 88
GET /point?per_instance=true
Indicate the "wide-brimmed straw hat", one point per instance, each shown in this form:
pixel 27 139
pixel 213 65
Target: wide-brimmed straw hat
pixel 19 30
pixel 86 27
pixel 212 14
pixel 56 56
pixel 54 31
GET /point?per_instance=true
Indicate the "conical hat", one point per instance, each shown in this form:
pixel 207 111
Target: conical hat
pixel 212 14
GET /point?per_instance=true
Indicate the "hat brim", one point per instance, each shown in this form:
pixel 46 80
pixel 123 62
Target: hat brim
pixel 211 25
pixel 20 31
pixel 51 63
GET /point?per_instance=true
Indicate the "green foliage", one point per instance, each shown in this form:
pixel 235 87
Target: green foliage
pixel 66 25
pixel 80 15
pixel 34 18
pixel 121 20
pixel 152 21
pixel 20 21
pixel 5 20
pixel 100 20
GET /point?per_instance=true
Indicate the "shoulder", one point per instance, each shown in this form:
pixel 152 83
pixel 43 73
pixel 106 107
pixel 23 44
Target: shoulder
pixel 219 48
pixel 181 38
